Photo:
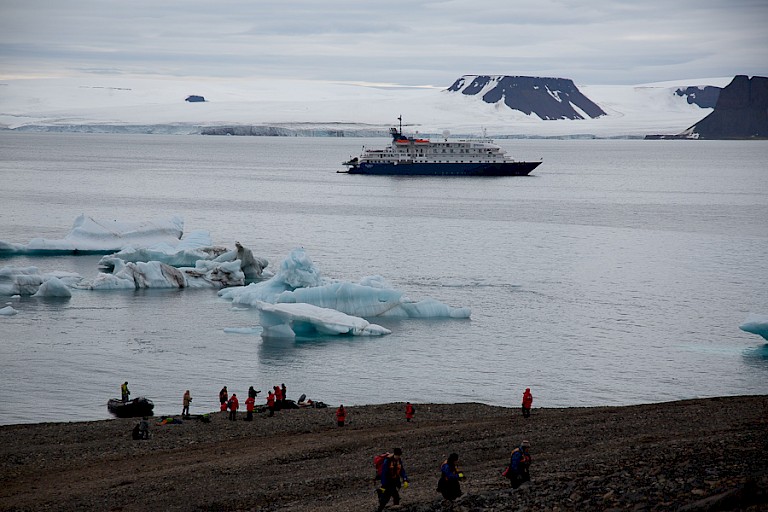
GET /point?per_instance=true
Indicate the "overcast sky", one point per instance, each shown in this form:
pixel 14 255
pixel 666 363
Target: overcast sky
pixel 418 42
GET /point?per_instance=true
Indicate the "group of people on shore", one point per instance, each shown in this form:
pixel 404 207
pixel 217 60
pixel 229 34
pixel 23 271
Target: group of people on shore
pixel 390 471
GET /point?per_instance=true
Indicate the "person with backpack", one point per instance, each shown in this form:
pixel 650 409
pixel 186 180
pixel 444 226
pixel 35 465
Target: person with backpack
pixel 527 402
pixel 449 485
pixel 391 472
pixel 519 464
pixel 233 405
pixel 410 410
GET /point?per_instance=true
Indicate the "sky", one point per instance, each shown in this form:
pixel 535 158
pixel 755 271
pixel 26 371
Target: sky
pixel 418 42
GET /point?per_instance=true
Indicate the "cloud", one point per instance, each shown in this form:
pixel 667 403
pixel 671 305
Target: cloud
pixel 426 42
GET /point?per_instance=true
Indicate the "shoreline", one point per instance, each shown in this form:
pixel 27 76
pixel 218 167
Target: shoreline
pixel 665 456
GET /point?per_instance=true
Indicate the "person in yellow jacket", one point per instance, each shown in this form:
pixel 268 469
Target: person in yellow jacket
pixel 124 391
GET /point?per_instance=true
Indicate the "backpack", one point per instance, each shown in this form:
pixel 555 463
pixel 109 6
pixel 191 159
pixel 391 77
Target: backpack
pixel 378 463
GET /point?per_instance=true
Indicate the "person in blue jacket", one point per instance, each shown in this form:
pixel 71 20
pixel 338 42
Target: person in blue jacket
pixel 449 485
pixel 519 464
pixel 392 473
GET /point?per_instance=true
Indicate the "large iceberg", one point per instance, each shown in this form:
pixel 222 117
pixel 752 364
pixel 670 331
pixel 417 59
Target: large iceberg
pixel 756 324
pixel 290 320
pixel 368 301
pixel 90 236
pixel 299 281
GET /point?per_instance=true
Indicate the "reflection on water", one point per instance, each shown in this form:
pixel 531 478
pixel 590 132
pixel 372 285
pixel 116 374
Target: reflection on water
pixel 757 356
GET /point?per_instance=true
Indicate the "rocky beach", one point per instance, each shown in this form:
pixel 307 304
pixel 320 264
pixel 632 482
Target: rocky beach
pixel 694 455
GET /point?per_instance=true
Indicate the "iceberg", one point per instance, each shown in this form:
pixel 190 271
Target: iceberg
pixel 290 320
pixel 296 271
pixel 756 324
pixel 28 280
pixel 53 288
pixel 300 282
pixel 194 246
pixel 90 236
pixel 155 274
pixel 251 266
pixel 7 311
pixel 370 301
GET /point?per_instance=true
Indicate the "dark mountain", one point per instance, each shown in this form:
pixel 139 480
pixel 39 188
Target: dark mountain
pixel 548 98
pixel 741 112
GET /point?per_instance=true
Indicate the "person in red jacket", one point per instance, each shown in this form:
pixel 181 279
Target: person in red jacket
pixel 527 402
pixel 341 415
pixel 234 405
pixel 271 403
pixel 409 411
pixel 249 403
pixel 278 397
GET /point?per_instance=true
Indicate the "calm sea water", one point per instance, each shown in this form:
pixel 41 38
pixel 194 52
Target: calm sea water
pixel 617 274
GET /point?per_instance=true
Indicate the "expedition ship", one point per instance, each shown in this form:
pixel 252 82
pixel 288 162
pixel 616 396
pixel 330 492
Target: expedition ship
pixel 409 156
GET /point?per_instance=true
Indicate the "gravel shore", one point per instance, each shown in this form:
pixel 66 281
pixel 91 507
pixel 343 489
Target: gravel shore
pixel 707 454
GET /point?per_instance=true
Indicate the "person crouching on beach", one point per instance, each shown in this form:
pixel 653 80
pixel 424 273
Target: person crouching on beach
pixel 519 465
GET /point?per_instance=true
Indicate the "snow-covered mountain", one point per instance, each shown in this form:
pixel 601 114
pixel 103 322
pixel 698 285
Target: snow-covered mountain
pixel 547 98
pixel 300 107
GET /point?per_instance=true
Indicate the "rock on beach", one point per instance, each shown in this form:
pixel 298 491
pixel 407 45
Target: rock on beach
pixel 693 455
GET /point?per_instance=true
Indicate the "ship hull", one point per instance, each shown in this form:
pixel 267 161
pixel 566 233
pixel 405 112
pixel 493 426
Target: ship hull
pixel 444 169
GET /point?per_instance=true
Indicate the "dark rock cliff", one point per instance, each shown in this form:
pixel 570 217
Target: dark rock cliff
pixel 741 111
pixel 548 98
pixel 705 97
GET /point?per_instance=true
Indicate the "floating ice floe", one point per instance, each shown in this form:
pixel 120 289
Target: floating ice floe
pixel 193 246
pixel 7 311
pixel 28 280
pixel 756 324
pixel 299 282
pixel 53 288
pixel 155 274
pixel 290 320
pixel 90 236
